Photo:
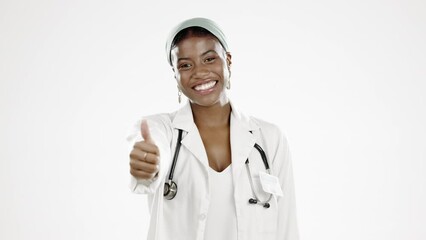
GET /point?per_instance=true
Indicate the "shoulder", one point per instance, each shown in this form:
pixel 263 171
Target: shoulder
pixel 267 128
pixel 159 124
pixel 257 124
pixel 274 142
pixel 162 119
pixel 271 134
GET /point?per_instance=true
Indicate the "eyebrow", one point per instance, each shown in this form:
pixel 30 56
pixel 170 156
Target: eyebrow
pixel 203 54
pixel 207 52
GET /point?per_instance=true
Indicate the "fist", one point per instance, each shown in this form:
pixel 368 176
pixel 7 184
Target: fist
pixel 145 156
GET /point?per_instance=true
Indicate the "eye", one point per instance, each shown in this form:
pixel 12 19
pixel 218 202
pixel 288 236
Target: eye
pixel 184 66
pixel 209 59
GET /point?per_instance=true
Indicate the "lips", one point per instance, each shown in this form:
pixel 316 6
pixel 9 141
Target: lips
pixel 205 86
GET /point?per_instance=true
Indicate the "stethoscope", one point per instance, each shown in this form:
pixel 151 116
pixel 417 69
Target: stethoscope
pixel 170 187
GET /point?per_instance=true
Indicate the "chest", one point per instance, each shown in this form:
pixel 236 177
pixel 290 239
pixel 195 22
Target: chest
pixel 217 145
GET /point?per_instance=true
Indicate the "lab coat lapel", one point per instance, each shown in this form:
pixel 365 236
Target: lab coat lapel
pixel 194 144
pixel 242 142
pixel 192 140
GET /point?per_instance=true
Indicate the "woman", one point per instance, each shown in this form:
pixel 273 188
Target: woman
pixel 203 166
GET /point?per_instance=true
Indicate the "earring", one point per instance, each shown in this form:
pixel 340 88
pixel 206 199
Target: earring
pixel 179 95
pixel 228 84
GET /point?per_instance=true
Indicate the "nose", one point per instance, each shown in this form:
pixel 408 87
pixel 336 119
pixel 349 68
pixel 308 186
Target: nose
pixel 201 71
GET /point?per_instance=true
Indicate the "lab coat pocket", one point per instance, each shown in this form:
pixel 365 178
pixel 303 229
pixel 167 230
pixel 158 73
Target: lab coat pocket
pixel 267 218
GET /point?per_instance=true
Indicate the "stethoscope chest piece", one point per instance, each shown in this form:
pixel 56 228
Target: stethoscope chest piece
pixel 170 190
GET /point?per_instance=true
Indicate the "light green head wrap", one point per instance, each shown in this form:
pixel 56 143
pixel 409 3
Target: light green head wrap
pixel 205 23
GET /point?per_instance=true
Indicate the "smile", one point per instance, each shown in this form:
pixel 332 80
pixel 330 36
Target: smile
pixel 205 86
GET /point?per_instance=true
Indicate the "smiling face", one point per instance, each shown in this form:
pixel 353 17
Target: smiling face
pixel 201 68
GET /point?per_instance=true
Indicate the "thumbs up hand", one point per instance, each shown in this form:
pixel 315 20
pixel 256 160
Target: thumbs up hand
pixel 145 156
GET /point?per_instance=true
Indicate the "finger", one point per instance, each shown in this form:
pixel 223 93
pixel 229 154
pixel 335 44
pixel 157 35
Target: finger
pixel 143 166
pixel 147 147
pixel 144 156
pixel 152 158
pixel 141 174
pixel 146 134
pixel 138 155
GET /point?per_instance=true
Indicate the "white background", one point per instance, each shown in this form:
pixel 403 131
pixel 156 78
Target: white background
pixel 344 79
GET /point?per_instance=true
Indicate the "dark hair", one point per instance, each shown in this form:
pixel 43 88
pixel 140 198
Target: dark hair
pixel 192 32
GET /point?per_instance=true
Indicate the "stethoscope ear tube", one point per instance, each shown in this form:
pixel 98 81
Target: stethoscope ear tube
pixel 255 201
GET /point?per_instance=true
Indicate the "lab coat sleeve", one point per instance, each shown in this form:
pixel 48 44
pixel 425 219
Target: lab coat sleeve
pixel 161 135
pixel 282 168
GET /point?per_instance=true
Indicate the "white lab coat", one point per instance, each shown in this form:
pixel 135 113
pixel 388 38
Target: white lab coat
pixel 183 218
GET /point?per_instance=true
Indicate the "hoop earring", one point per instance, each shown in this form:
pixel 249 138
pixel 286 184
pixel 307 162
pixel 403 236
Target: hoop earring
pixel 179 96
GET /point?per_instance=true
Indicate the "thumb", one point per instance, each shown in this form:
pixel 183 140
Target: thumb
pixel 146 134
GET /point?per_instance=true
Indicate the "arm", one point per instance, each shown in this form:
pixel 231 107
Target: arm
pixel 282 168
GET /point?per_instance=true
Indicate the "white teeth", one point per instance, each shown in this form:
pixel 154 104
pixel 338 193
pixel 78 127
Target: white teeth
pixel 205 86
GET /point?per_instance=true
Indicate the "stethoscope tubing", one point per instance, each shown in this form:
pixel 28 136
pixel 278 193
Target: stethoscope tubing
pixel 263 155
pixel 172 169
pixel 171 187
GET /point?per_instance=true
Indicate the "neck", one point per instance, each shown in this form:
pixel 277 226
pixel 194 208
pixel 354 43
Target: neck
pixel 217 115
